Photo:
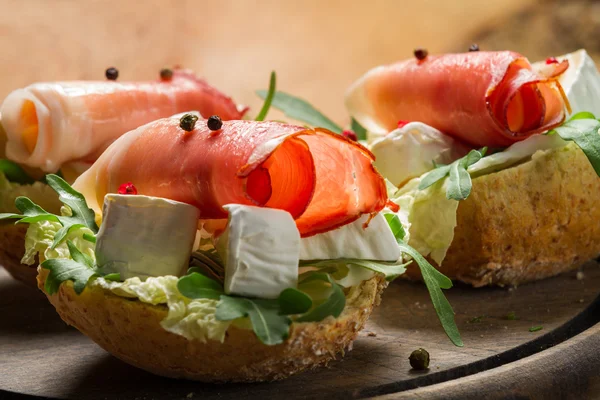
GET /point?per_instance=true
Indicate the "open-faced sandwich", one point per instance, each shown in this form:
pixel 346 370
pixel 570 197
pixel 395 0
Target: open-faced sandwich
pixel 493 161
pixel 223 250
pixel 64 126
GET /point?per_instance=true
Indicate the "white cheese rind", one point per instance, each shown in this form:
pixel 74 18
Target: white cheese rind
pixel 143 236
pixel 260 248
pixel 410 151
pixel 376 242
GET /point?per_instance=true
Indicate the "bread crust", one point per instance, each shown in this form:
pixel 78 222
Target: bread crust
pixel 12 237
pixel 131 331
pixel 526 223
pixel 12 249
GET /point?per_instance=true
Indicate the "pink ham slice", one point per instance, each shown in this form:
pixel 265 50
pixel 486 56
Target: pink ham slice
pixel 324 180
pixel 483 98
pixel 49 124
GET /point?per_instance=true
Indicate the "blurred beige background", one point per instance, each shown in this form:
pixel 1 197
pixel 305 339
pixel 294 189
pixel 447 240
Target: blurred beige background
pixel 318 48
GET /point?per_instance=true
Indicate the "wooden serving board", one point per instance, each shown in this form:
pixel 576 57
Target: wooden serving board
pixel 41 356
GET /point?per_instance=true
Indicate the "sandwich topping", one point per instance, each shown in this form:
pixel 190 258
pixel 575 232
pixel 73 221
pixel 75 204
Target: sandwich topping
pixel 481 98
pixel 427 188
pixel 266 164
pixel 84 117
pixel 263 225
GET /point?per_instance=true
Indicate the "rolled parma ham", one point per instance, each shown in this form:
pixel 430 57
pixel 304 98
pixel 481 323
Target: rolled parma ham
pixel 322 179
pixel 482 98
pixel 49 124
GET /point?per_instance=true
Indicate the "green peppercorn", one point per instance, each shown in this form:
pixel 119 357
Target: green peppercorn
pixel 474 47
pixel 187 122
pixel 166 74
pixel 214 123
pixel 419 359
pixel 420 54
pixel 112 74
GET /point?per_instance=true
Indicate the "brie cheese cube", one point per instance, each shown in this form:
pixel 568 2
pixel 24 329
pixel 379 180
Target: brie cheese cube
pixel 376 242
pixel 581 82
pixel 143 236
pixel 260 249
pixel 410 151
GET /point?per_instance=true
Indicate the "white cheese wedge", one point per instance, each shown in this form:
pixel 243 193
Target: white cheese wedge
pixel 410 151
pixel 376 242
pixel 260 249
pixel 143 236
pixel 581 81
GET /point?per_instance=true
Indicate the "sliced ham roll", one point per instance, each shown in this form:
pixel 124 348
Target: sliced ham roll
pixel 324 180
pixel 49 124
pixel 483 98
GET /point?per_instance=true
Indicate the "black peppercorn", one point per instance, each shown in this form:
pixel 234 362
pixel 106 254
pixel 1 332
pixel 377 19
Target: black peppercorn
pixel 214 123
pixel 474 47
pixel 112 73
pixel 419 359
pixel 166 74
pixel 187 122
pixel 420 54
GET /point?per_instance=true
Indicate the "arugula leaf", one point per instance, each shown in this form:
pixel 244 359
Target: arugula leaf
pixel 14 173
pixel 395 225
pixel 361 132
pixel 459 182
pixel 584 130
pixel 300 110
pixel 198 286
pixel 62 233
pixel 89 238
pixel 78 256
pixel 293 301
pixel 268 324
pixel 432 177
pixel 391 270
pixel 31 212
pixel 81 213
pixel 435 281
pixel 334 305
pixel 269 99
pixel 79 270
pixel 115 276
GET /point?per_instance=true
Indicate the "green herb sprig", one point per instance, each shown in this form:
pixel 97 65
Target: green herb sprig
pixel 584 129
pixel 81 215
pixel 270 318
pixel 268 99
pixel 435 282
pixel 301 110
pixel 80 268
pixel 459 180
pixel 14 173
pixel 361 132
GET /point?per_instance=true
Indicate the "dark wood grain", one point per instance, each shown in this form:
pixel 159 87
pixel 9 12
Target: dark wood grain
pixel 40 355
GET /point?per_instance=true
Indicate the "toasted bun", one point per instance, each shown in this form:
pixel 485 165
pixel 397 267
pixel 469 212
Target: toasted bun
pixel 526 223
pixel 12 248
pixel 131 331
pixel 12 237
